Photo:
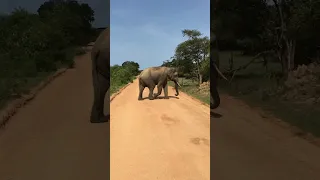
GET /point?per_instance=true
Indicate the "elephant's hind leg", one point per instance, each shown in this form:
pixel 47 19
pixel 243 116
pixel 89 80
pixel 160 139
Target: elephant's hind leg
pixel 141 88
pixel 151 85
pixel 101 86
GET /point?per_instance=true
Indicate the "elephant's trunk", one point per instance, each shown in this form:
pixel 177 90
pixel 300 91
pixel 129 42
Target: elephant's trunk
pixel 213 87
pixel 216 98
pixel 177 85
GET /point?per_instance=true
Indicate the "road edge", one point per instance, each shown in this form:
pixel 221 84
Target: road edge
pixel 269 117
pixel 114 95
pixel 193 98
pixel 13 107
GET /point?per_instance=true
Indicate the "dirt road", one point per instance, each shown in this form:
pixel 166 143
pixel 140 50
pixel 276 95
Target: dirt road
pixel 249 145
pixel 51 139
pixel 162 139
pixel 169 139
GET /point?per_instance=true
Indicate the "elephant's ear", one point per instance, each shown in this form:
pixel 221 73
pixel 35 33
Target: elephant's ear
pixel 178 69
pixel 168 69
pixel 173 70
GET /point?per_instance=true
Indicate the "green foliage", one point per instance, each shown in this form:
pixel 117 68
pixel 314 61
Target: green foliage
pixel 192 60
pixel 122 75
pixel 288 31
pixel 33 46
pixel 253 26
pixel 235 19
pixel 205 69
pixel 191 87
pixel 74 18
pixel 132 67
pixel 191 56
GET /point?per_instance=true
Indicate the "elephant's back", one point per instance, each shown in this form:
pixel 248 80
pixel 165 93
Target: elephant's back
pixel 102 43
pixel 154 73
pixel 144 72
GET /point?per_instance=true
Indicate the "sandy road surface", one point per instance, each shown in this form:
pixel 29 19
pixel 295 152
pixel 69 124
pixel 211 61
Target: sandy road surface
pixel 51 139
pixel 169 139
pixel 246 146
pixel 162 139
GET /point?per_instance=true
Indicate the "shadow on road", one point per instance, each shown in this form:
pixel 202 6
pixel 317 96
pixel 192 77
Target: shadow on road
pixel 214 115
pixel 161 97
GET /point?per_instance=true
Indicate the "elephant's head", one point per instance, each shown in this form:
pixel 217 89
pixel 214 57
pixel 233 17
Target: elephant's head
pixel 173 76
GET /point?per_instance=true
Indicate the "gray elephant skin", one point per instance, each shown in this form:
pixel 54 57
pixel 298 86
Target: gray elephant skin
pixel 100 56
pixel 214 74
pixel 159 76
pixel 213 87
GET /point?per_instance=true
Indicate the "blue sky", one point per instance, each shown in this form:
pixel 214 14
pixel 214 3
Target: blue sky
pixel 145 31
pixel 148 31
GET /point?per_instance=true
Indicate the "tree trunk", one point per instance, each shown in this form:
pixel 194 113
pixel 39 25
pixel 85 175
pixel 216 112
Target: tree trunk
pixel 231 61
pixel 284 62
pixel 291 47
pixel 198 72
pixel 286 45
pixel 286 56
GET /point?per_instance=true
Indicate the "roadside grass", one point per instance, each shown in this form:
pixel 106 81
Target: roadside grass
pixel 22 86
pixel 190 87
pixel 12 88
pixel 115 85
pixel 253 86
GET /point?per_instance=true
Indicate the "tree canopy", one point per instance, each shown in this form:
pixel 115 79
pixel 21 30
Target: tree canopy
pixel 33 44
pixel 192 56
pixel 289 29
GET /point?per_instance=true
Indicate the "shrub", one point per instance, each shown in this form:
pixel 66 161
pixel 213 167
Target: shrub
pixel 33 46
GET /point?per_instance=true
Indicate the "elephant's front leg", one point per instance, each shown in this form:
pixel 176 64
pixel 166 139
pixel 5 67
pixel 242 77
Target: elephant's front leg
pixel 159 86
pixel 166 96
pixel 151 92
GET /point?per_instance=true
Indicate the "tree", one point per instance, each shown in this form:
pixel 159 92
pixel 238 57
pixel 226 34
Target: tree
pixel 290 31
pixel 237 20
pixel 173 62
pixel 191 53
pixel 287 28
pixel 75 18
pixel 132 67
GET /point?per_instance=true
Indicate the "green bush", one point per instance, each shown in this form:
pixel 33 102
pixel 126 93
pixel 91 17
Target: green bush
pixel 122 75
pixel 35 45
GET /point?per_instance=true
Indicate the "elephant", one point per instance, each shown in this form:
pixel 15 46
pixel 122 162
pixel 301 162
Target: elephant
pixel 150 77
pixel 100 57
pixel 214 74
